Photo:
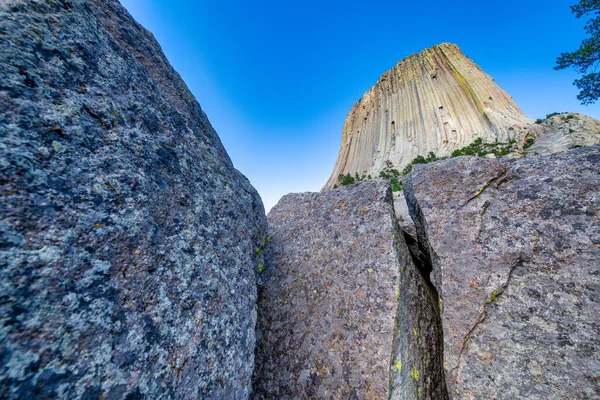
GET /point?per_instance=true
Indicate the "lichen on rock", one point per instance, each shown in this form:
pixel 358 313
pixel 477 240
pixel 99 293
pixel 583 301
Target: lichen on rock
pixel 127 265
pixel 338 296
pixel 517 267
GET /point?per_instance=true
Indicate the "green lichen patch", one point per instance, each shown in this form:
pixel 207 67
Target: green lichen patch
pixel 415 373
pixel 493 296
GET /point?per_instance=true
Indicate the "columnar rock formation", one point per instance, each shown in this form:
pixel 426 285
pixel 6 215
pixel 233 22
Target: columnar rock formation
pixel 515 250
pixel 344 312
pixel 127 239
pixel 437 100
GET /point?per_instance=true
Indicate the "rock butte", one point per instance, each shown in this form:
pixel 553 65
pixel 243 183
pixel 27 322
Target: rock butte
pixel 437 100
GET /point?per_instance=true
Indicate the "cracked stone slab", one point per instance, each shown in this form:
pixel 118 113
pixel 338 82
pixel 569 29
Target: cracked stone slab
pixel 343 311
pixel 127 238
pixel 515 247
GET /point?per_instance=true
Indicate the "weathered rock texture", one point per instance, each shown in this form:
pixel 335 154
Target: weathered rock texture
pixel 515 246
pixel 403 215
pixel 127 240
pixel 343 311
pixel 563 132
pixel 437 100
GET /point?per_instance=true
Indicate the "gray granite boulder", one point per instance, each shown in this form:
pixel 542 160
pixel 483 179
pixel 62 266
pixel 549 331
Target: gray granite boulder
pixel 515 251
pixel 344 312
pixel 128 241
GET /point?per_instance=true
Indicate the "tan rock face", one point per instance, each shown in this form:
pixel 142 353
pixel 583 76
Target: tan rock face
pixel 438 100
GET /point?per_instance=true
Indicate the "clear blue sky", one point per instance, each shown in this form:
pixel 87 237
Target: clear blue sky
pixel 276 78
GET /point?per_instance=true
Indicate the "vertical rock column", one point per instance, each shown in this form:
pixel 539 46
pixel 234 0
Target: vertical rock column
pixel 343 311
pixel 435 101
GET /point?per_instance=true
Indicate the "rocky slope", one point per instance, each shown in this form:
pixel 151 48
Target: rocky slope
pixel 507 256
pixel 127 240
pixel 437 100
pixel 565 131
pixel 515 250
pixel 344 311
pixel 131 248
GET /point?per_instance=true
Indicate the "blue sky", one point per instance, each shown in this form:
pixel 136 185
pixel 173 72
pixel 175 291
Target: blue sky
pixel 276 78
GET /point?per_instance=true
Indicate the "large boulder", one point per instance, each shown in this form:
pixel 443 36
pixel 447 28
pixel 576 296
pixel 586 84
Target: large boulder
pixel 515 248
pixel 344 312
pixel 127 240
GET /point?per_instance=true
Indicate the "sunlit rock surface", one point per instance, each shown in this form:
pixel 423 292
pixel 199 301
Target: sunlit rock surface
pixel 437 100
pixel 563 132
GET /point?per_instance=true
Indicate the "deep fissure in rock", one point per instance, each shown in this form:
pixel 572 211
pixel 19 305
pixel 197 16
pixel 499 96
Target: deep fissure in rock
pixel 422 261
pixel 417 369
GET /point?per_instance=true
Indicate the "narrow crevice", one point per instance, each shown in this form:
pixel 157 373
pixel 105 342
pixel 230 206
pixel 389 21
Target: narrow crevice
pixel 421 259
pixel 422 240
pixel 427 263
pixel 417 367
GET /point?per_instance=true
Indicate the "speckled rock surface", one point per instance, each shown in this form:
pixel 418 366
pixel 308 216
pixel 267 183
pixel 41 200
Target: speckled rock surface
pixel 515 246
pixel 127 239
pixel 343 311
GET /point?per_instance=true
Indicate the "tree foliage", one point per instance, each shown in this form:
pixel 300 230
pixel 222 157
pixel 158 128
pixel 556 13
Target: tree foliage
pixel 586 60
pixel 388 172
pixel 431 157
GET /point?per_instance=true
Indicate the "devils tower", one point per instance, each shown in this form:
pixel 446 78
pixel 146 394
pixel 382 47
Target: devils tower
pixel 435 101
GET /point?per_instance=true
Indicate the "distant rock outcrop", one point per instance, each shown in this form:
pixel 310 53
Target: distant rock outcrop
pixel 434 101
pixel 515 250
pixel 344 312
pixel 564 131
pixel 127 239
